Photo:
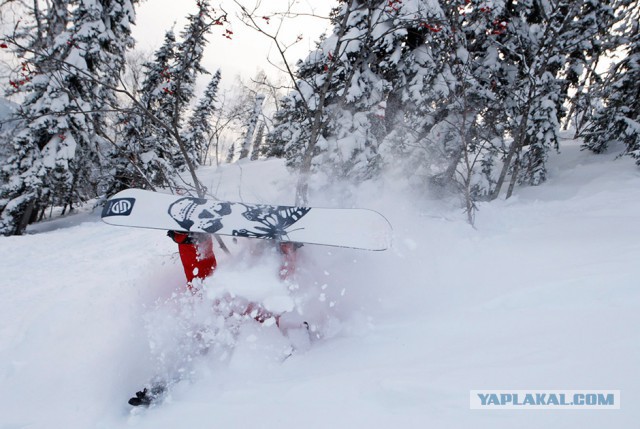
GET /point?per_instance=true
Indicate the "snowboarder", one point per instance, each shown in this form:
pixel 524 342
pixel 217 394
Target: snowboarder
pixel 199 262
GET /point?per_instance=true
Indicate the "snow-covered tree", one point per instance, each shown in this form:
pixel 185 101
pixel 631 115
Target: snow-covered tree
pixel 443 88
pixel 289 137
pixel 544 52
pixel 184 72
pixel 141 157
pixel 26 186
pixel 302 119
pixel 251 125
pixel 100 37
pixel 257 142
pixel 593 27
pixel 57 149
pixel 618 118
pixel 332 120
pixel 468 94
pixel 155 146
pixel 231 154
pixel 199 126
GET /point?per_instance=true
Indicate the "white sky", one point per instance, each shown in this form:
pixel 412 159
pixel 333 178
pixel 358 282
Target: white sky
pixel 244 55
pixel 248 50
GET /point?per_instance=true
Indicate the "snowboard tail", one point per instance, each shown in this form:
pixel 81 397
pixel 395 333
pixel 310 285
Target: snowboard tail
pixel 352 228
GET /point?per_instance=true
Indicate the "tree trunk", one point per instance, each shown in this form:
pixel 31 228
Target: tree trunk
pixel 515 148
pixel 302 187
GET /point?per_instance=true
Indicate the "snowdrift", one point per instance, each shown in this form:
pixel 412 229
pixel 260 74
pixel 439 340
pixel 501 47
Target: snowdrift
pixel 542 294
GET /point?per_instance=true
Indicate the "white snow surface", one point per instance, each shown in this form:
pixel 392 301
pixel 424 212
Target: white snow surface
pixel 542 294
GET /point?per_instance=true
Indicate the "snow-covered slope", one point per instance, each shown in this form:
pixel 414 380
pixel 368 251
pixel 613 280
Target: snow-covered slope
pixel 542 294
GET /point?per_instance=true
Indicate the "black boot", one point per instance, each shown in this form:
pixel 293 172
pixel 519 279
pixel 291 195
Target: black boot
pixel 147 396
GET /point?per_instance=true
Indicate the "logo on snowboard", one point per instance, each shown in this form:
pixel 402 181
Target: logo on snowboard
pixel 118 207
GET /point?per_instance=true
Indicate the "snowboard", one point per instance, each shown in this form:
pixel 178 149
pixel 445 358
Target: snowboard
pixel 352 228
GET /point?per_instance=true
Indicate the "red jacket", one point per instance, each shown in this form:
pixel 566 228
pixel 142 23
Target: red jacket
pixel 196 254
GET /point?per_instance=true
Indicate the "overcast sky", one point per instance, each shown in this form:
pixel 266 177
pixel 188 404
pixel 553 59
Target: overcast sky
pixel 248 50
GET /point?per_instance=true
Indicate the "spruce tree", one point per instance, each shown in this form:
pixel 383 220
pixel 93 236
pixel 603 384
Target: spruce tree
pixel 141 157
pixel 329 120
pixel 290 135
pixel 184 72
pixel 57 149
pixel 153 150
pixel 617 120
pixel 26 185
pixel 102 35
pixel 544 53
pixel 199 125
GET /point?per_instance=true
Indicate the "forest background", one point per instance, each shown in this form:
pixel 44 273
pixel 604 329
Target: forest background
pixel 464 98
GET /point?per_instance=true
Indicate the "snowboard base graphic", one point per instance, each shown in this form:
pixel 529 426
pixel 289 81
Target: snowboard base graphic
pixel 353 228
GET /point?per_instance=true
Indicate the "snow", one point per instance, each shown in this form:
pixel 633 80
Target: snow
pixel 541 294
pixel 6 109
